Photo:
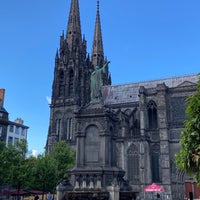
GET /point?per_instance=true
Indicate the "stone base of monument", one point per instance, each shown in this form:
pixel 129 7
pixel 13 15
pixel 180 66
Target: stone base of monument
pixel 65 191
pixel 86 195
pixel 128 195
pixel 111 194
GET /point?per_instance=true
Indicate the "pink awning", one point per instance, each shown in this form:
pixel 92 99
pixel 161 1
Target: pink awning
pixel 153 188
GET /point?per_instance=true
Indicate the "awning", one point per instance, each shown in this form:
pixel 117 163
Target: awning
pixel 19 192
pixel 153 188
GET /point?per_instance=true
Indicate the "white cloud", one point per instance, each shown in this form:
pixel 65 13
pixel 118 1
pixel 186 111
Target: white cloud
pixel 34 153
pixel 48 99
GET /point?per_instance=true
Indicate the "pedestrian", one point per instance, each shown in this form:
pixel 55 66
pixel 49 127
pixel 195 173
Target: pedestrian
pixel 36 197
pixel 158 196
pixel 49 196
pixel 138 197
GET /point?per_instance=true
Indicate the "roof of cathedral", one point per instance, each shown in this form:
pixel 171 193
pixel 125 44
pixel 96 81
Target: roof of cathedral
pixel 128 93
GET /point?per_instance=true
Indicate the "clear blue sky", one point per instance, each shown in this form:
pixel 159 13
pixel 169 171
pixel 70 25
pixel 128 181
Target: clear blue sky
pixel 143 39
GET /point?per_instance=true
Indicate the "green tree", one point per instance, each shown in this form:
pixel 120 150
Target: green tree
pixel 30 165
pixel 2 163
pixel 65 157
pixel 44 174
pixel 188 159
pixel 13 165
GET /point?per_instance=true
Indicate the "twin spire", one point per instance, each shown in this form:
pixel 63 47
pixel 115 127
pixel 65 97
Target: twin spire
pixel 74 33
pixel 97 48
pixel 74 25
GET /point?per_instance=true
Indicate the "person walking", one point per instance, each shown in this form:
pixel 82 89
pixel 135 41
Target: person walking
pixel 49 196
pixel 36 197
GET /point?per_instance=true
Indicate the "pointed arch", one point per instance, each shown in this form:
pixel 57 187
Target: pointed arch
pixel 152 115
pixel 133 164
pixel 68 125
pixel 155 163
pixel 69 128
pixel 57 124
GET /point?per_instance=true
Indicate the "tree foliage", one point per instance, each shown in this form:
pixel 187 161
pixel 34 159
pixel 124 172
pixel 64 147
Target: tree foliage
pixel 44 173
pixel 188 159
pixel 65 158
pixel 13 164
pixel 41 173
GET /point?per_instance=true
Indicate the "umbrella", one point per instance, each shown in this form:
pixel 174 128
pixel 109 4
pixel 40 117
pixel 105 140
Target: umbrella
pixel 4 192
pixel 34 191
pixel 19 192
pixel 153 188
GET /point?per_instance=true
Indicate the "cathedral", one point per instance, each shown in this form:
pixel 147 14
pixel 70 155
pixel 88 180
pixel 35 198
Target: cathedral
pixel 125 135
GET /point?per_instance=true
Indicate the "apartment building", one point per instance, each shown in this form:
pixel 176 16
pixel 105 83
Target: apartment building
pixel 10 132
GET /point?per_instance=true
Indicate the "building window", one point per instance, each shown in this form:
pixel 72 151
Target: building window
pixel 11 128
pixel 133 164
pixel 10 140
pixel 152 115
pixel 23 132
pixel 155 157
pixel 135 129
pixel 17 129
pixel 58 127
pixel 69 128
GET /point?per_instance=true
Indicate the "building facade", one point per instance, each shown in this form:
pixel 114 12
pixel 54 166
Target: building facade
pixel 16 132
pixel 10 132
pixel 3 117
pixel 120 132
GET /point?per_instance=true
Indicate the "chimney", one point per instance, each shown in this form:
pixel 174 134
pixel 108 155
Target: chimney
pixel 2 93
pixel 19 121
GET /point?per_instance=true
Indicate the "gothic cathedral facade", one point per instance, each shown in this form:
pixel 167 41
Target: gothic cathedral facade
pixel 132 128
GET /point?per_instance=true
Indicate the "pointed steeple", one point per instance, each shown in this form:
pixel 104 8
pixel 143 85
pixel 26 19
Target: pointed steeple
pixel 97 48
pixel 74 26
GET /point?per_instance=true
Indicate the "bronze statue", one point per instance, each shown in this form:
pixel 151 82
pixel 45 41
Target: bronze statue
pixel 97 80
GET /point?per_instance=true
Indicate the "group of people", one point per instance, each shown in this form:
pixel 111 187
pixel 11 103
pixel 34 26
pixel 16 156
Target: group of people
pixel 49 197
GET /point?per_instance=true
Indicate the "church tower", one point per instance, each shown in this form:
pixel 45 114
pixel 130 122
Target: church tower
pixel 71 84
pixel 71 89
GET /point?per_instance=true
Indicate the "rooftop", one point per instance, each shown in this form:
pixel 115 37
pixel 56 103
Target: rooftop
pixel 128 93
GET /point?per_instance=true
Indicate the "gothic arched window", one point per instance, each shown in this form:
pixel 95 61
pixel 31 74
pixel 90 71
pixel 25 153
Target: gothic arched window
pixel 58 126
pixel 152 115
pixel 71 82
pixel 155 157
pixel 133 164
pixel 69 128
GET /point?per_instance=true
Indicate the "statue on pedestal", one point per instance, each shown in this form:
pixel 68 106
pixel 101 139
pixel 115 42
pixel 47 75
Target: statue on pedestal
pixel 97 77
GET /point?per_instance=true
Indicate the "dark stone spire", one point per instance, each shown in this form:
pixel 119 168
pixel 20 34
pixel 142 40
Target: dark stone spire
pixel 74 26
pixel 97 48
